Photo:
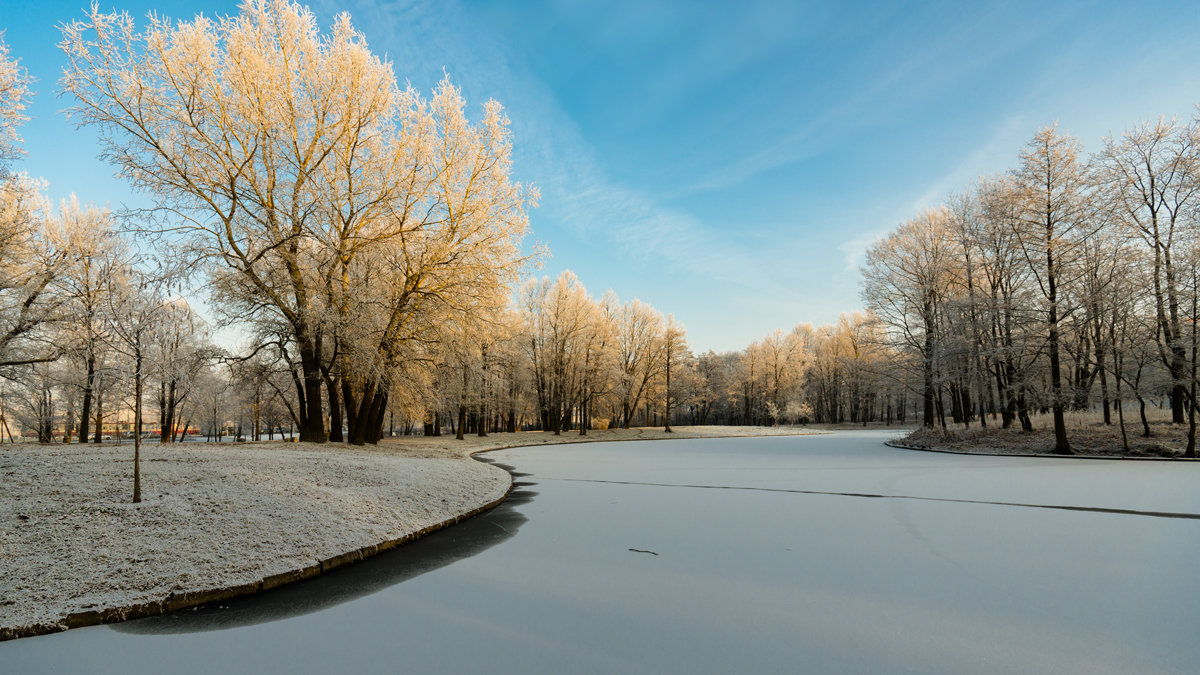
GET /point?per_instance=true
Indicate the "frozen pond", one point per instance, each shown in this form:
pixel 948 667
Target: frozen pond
pixel 786 554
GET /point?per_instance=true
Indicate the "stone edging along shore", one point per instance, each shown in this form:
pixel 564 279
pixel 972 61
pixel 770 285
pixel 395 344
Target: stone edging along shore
pixel 186 599
pixel 183 599
pixel 995 453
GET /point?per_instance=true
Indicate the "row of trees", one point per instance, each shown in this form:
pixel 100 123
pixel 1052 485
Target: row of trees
pixel 365 239
pixel 1068 282
pixel 839 373
pixel 557 360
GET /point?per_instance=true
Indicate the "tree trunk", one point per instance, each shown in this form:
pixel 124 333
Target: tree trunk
pixel 1100 367
pixel 98 436
pixel 168 432
pixel 336 421
pixel 928 420
pixel 1178 394
pixel 368 421
pixel 137 425
pixel 1117 371
pixel 1190 451
pixel 359 417
pixel 1142 412
pixel 1008 409
pixel 375 430
pixel 667 399
pixel 162 411
pixel 85 414
pixel 1061 446
pixel 1023 412
pixel 257 416
pixel 312 417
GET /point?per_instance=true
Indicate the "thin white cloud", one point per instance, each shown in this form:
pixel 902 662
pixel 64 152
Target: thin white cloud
pixel 551 149
pixel 995 155
pixel 953 57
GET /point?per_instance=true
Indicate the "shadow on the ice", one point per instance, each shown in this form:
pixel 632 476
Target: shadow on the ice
pixel 434 551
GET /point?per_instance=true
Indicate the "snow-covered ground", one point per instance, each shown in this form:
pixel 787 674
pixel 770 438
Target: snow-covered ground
pixel 210 517
pixel 226 515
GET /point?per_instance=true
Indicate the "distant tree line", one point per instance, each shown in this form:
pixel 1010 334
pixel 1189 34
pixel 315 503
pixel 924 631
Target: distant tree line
pixel 365 240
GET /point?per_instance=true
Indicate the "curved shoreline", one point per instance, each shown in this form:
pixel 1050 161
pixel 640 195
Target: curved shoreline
pixel 183 599
pixel 996 453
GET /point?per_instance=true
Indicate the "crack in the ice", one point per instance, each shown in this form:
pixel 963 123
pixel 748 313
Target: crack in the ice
pixel 869 495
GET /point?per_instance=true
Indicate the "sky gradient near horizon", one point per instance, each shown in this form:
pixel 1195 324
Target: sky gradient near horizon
pixel 725 162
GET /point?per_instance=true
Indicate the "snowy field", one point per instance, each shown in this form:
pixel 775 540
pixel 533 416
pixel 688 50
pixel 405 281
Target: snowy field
pixel 224 515
pixel 211 517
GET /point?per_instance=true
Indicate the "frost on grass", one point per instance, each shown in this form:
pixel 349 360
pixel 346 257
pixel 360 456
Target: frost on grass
pixel 1088 435
pixel 211 517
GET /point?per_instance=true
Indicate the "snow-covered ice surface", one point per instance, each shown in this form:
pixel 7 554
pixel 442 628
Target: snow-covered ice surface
pixel 210 517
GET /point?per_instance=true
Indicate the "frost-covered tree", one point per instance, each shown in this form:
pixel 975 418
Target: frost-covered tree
pixel 640 357
pixel 1008 330
pixel 179 350
pixel 675 355
pixel 33 246
pixel 1150 181
pixel 1054 220
pixel 33 253
pixel 325 199
pixel 14 96
pixel 561 328
pixel 907 279
pixel 136 308
pixel 84 287
pixel 783 362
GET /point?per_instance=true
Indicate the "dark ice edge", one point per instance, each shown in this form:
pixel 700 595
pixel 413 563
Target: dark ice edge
pixel 871 495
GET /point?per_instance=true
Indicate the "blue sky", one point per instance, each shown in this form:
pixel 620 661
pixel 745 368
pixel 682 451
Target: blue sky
pixel 727 161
